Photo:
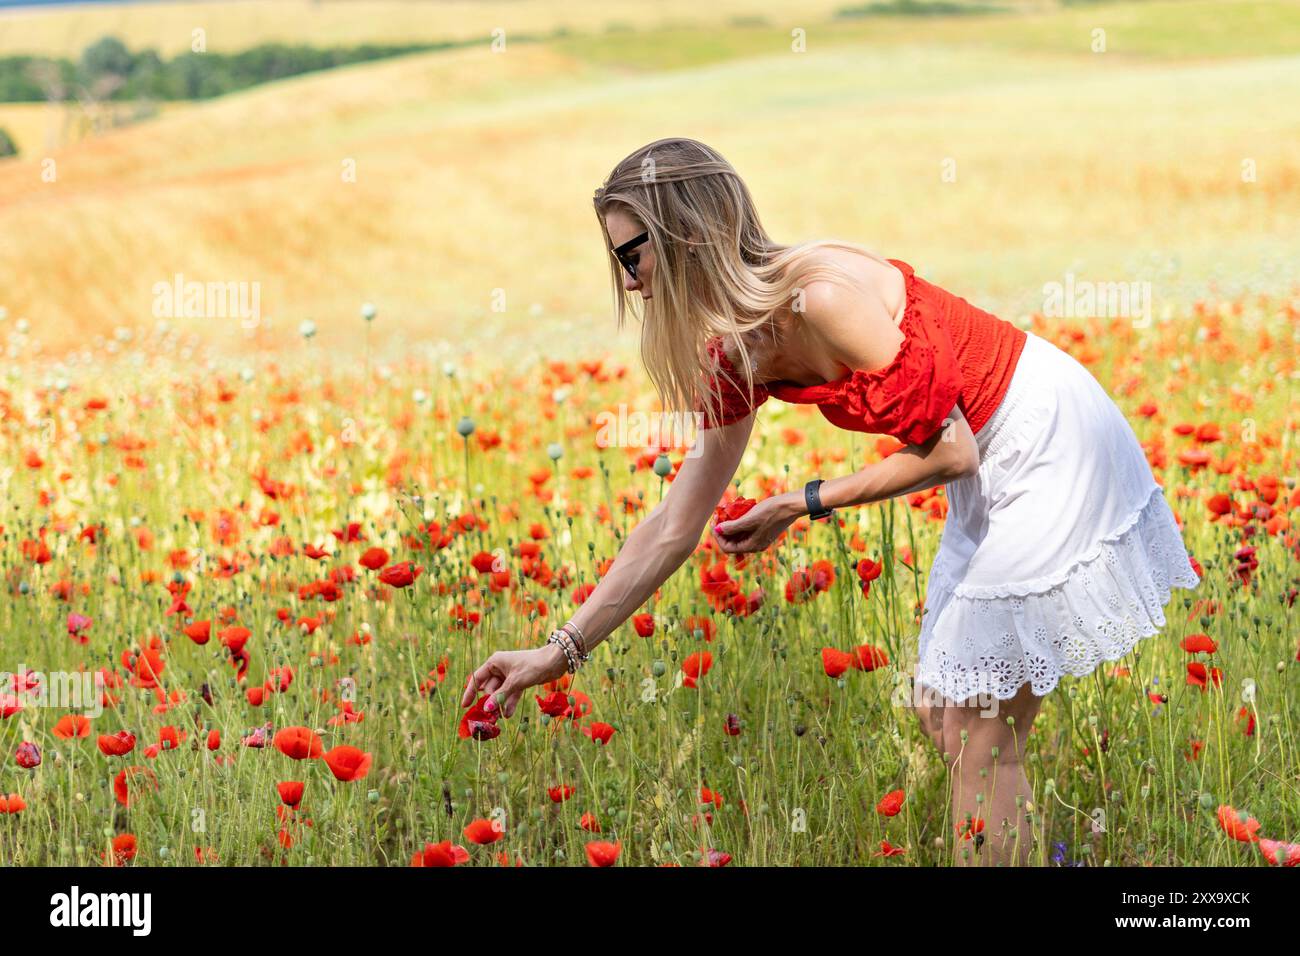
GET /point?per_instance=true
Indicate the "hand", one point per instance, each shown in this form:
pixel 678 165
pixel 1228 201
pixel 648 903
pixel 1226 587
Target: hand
pixel 758 527
pixel 507 674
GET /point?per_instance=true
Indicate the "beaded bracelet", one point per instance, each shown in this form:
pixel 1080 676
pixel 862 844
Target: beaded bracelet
pixel 562 639
pixel 579 640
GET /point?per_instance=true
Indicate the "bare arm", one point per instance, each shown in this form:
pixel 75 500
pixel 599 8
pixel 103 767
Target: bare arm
pixel 659 545
pixel 949 454
pixel 654 549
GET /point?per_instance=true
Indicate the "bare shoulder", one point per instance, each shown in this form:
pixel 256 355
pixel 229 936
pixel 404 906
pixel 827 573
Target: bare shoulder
pixel 858 325
pixel 883 282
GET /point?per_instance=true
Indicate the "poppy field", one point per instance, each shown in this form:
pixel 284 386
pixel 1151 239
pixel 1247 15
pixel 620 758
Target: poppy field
pixel 269 583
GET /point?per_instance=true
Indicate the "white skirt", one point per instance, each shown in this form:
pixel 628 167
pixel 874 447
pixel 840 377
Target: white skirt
pixel 1059 553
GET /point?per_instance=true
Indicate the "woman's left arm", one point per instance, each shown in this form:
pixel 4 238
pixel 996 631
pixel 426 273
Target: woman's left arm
pixel 947 455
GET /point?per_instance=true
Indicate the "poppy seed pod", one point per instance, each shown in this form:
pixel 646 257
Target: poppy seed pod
pixel 465 427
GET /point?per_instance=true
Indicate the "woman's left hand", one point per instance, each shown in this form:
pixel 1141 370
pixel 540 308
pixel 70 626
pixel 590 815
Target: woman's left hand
pixel 758 527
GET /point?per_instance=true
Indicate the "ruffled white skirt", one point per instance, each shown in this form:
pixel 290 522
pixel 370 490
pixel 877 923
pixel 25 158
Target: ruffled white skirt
pixel 1059 553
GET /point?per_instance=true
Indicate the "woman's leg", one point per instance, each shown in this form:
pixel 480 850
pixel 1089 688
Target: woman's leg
pixel 984 754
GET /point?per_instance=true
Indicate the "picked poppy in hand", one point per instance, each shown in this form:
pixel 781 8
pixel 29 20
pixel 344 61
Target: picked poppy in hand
pixel 730 511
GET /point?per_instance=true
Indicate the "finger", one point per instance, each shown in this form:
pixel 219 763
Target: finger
pixel 513 701
pixel 490 686
pixel 502 695
pixel 471 685
pixel 475 683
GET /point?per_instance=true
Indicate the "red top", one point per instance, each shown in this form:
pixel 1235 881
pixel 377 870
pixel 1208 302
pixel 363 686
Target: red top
pixel 952 354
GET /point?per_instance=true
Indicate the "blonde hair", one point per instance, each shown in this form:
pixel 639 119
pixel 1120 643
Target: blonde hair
pixel 733 282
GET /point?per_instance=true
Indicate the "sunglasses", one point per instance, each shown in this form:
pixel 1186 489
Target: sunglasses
pixel 620 253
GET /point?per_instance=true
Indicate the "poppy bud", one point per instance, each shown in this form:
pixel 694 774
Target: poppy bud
pixel 465 427
pixel 662 466
pixel 555 451
pixel 368 312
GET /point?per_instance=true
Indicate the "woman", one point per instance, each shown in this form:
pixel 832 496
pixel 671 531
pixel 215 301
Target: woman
pixel 1058 551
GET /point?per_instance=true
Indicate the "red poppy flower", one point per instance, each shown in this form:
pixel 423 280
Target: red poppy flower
pixel 373 559
pixel 1198 644
pixel 115 745
pixel 199 631
pixel 484 831
pixel 348 763
pixel 124 848
pixel 599 732
pixel 300 743
pixel 72 725
pixel 891 803
pixel 602 853
pixel 1238 824
pixel 440 854
pixel 1280 854
pixel 401 575
pixel 12 803
pixel 559 794
pixel 480 721
pixel 589 823
pixel 696 666
pixel 124 787
pixel 290 792
pixel 836 662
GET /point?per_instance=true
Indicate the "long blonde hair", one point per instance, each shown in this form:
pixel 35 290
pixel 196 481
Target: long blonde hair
pixel 733 282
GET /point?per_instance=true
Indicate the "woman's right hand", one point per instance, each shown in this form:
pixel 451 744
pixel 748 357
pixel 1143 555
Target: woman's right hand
pixel 507 674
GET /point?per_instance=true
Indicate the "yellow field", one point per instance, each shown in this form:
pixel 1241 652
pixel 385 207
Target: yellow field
pixel 474 173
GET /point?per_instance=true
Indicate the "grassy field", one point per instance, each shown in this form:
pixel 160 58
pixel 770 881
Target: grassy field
pixel 204 541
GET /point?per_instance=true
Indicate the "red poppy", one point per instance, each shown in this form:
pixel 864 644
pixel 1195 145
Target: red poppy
pixel 599 732
pixel 115 745
pixel 602 853
pixel 1198 644
pixel 373 558
pixel 484 831
pixel 124 848
pixel 300 743
pixel 72 725
pixel 696 666
pixel 124 787
pixel 559 794
pixel 348 763
pixel 867 657
pixel 1238 824
pixel 1280 854
pixel 440 854
pixel 400 575
pixel 12 803
pixel 480 721
pixel 290 792
pixel 836 662
pixel 199 631
pixel 891 803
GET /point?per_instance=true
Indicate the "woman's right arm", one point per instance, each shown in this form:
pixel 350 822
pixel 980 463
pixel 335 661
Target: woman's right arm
pixel 654 549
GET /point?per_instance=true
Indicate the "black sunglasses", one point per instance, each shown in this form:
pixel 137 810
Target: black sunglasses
pixel 620 253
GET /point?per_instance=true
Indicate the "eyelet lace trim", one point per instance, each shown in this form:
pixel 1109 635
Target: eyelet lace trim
pixel 1097 610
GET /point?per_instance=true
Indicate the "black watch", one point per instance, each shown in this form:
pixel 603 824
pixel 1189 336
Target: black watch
pixel 813 499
